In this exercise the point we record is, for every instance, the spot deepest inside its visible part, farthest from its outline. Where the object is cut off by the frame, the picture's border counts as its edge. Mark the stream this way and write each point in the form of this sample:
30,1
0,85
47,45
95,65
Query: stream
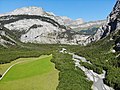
97,79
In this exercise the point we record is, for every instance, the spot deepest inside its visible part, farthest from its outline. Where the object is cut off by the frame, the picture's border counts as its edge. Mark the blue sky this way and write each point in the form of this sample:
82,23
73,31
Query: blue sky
89,10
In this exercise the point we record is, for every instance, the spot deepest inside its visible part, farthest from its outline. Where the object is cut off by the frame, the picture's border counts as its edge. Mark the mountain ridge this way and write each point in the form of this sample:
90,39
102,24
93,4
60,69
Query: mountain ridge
111,26
33,24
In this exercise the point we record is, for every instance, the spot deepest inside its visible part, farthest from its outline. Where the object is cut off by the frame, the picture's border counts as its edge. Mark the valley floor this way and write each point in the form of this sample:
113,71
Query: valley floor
32,73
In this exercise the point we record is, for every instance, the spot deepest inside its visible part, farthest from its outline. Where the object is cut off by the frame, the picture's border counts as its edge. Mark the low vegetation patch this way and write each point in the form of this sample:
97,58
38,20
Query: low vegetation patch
34,74
69,77
100,55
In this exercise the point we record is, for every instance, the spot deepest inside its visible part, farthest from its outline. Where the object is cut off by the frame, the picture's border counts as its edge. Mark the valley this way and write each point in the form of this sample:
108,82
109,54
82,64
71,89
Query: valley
42,51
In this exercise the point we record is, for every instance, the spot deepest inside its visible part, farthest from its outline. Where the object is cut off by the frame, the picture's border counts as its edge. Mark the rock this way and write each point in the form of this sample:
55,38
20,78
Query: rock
33,24
76,22
86,25
28,10
112,24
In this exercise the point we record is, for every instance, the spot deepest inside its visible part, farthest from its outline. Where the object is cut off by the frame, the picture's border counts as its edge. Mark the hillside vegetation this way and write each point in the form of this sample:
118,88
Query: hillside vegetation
101,55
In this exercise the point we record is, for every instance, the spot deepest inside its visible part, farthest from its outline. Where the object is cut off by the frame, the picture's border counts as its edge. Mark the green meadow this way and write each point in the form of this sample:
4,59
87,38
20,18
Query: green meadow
30,74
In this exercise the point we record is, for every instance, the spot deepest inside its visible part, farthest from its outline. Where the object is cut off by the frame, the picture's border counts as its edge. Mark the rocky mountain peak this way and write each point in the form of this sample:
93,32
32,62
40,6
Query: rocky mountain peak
112,24
113,18
33,24
116,8
80,20
114,15
28,10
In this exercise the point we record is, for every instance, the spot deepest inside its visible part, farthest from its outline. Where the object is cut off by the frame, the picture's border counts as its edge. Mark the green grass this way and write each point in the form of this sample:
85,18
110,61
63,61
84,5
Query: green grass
39,74
4,67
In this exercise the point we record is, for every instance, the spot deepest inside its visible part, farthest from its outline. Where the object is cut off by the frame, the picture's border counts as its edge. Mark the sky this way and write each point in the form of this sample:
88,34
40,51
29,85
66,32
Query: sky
88,10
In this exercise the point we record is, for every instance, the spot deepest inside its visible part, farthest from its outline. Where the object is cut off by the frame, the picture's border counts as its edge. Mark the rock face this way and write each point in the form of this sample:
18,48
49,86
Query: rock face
33,24
76,22
112,25
40,12
87,25
27,10
88,28
6,37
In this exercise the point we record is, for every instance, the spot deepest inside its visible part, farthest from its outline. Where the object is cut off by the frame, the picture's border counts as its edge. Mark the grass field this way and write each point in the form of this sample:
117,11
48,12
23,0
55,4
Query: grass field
33,74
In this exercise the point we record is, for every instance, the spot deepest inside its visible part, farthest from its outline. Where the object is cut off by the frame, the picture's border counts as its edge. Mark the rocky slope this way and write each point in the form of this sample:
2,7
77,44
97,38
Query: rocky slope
6,37
88,28
63,20
33,24
112,26
86,25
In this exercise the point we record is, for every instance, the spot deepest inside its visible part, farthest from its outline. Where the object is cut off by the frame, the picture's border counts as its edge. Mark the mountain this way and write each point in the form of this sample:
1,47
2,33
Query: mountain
82,27
112,27
33,24
86,25
27,11
75,22
88,28
103,50
40,12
